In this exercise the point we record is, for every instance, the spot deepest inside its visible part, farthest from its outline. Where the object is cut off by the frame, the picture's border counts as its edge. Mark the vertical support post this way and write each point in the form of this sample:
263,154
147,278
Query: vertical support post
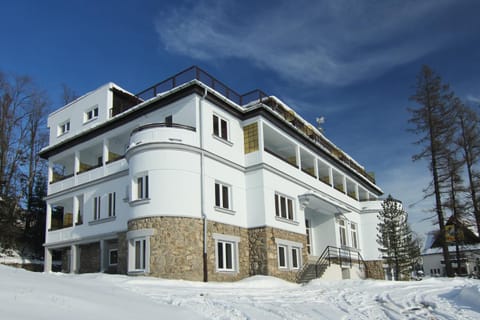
47,264
102,255
73,258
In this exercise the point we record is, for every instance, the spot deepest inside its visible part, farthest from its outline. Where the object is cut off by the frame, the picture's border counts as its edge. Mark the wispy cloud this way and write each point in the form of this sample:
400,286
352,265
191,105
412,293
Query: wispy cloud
473,99
315,42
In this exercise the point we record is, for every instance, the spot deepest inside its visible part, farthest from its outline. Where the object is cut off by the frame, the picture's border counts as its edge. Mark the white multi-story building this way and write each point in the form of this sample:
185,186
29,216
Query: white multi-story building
191,180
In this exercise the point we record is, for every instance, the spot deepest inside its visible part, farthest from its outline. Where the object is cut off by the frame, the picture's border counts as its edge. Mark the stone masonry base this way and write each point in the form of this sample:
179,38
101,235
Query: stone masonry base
176,249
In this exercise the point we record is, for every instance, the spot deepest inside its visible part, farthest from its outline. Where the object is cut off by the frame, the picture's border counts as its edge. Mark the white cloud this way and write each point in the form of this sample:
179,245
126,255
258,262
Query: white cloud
331,42
474,99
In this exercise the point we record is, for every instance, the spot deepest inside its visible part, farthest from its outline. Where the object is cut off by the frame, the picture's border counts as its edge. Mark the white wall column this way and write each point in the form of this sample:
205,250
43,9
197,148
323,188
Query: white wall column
261,142
299,158
74,258
76,166
48,222
105,151
102,256
47,260
75,211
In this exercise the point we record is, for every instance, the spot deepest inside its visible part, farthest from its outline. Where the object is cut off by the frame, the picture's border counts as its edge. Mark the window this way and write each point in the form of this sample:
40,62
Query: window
96,208
111,204
139,250
282,256
113,257
289,255
283,207
91,114
140,246
343,232
225,256
354,235
295,258
64,128
220,127
222,196
141,185
169,121
226,252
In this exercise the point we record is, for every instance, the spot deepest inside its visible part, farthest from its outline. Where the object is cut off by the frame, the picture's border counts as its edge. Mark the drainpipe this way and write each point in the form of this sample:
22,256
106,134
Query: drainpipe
202,177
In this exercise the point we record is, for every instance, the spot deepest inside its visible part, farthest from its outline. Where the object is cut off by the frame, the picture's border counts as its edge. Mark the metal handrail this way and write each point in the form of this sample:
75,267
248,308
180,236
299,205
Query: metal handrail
162,125
333,254
196,73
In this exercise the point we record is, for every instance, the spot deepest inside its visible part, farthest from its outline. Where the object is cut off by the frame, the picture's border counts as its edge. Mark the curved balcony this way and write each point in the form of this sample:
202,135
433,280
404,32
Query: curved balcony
162,132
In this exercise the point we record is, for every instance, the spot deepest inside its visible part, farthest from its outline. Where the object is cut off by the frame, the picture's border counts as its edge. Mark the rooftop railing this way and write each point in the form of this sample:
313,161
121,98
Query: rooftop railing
195,72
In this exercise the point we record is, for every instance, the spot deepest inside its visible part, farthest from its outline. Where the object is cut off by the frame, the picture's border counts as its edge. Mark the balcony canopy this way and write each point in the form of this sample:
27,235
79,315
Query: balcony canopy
321,204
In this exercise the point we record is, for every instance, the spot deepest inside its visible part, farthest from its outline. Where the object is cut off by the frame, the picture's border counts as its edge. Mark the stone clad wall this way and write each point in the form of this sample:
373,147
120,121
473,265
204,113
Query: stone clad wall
122,266
375,269
263,241
176,249
89,257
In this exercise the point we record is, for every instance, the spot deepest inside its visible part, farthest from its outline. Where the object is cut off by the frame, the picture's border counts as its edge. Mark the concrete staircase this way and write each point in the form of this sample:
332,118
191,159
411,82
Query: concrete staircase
311,271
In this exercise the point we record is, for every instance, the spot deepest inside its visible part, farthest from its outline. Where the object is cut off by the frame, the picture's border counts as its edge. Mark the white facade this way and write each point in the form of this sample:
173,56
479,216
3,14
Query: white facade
183,153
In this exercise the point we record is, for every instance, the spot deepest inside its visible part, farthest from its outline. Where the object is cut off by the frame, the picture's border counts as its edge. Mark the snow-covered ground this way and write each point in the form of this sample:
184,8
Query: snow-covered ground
27,295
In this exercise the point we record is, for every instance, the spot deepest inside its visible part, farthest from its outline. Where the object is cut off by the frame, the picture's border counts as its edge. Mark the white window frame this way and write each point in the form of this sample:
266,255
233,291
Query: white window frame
284,249
295,254
225,240
291,249
342,232
141,236
97,205
111,204
141,187
220,201
218,128
110,263
286,211
63,128
91,114
354,235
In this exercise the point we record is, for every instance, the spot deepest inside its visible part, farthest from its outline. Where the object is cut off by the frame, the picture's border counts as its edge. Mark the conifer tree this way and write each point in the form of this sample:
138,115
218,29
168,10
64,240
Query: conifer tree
468,141
394,237
433,120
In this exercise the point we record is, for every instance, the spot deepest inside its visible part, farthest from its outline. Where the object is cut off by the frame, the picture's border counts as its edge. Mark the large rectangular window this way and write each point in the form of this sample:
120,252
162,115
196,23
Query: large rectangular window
96,208
140,246
343,232
282,256
223,196
141,185
226,253
289,255
111,204
220,127
225,261
354,235
295,258
284,207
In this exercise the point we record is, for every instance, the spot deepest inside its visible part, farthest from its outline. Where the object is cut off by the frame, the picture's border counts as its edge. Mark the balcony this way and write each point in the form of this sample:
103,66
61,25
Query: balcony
162,132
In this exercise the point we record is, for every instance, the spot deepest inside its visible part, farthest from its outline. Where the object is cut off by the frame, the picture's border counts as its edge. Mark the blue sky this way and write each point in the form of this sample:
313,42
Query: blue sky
353,62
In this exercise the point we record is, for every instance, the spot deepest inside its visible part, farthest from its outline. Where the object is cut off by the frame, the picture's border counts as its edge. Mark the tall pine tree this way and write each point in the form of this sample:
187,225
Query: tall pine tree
433,121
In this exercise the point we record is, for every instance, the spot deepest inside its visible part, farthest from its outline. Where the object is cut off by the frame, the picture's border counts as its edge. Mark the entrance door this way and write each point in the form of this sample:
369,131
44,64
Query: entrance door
309,240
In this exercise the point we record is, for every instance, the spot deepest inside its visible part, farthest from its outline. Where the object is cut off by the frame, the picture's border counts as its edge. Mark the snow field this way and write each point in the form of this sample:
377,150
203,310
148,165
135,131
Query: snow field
27,295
